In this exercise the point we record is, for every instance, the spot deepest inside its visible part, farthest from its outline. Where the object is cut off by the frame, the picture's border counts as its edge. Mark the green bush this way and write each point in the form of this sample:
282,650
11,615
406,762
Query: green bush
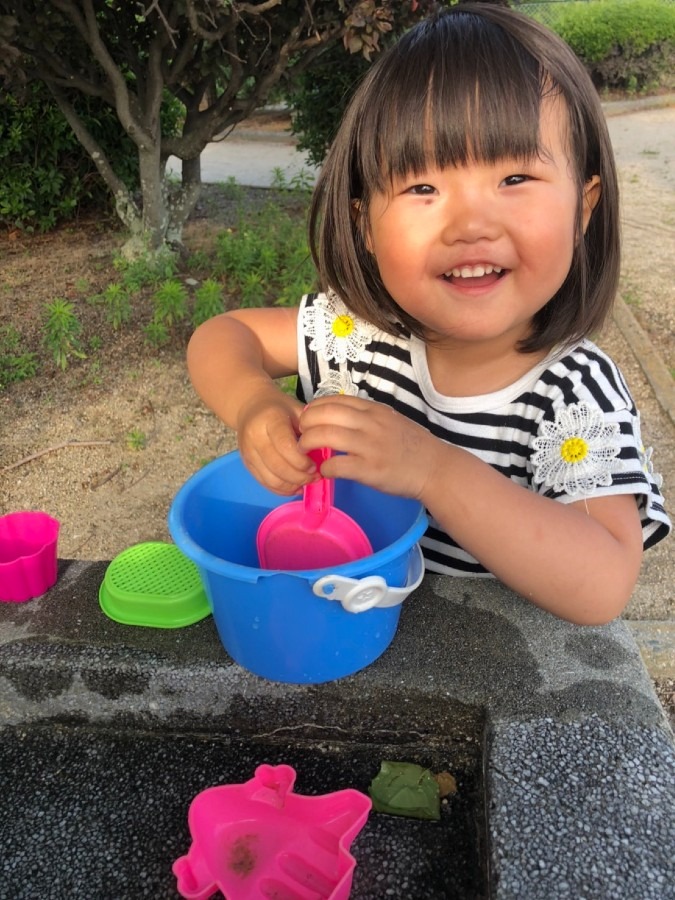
46,176
208,302
319,97
624,44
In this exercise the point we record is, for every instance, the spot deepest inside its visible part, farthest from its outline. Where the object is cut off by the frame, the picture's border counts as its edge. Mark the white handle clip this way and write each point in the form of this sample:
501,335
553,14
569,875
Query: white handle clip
360,594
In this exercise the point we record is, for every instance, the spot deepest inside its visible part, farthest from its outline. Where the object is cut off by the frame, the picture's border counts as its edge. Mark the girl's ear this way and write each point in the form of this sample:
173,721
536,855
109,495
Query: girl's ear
592,192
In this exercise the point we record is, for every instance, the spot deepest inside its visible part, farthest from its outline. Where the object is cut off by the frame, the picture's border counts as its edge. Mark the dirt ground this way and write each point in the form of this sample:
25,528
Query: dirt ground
66,439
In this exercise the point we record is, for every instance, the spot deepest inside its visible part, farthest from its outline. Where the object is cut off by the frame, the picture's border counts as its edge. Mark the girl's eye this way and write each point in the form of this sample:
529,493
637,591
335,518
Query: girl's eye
512,180
421,190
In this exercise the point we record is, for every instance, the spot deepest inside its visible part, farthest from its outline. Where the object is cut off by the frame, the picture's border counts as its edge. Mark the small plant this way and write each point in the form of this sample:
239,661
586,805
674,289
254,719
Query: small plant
279,181
268,262
145,271
198,261
93,373
208,302
117,304
62,330
170,303
156,334
16,363
300,183
631,297
238,251
136,439
252,290
232,190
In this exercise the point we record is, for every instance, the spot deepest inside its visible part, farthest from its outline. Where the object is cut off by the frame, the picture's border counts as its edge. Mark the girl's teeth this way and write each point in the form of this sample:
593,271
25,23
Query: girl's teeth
473,271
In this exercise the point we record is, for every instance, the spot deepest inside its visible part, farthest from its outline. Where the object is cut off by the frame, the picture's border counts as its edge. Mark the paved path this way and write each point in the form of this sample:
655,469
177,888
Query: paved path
250,158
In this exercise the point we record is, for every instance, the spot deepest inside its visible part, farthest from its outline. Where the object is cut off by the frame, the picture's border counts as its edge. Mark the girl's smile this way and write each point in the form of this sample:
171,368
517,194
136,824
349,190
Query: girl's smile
474,276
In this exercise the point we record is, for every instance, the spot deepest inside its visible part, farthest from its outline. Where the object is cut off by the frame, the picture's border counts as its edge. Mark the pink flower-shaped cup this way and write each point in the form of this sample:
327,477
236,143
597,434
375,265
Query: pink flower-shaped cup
28,560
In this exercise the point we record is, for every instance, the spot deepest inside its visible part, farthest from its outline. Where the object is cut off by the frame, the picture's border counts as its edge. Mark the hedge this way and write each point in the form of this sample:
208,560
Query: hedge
624,44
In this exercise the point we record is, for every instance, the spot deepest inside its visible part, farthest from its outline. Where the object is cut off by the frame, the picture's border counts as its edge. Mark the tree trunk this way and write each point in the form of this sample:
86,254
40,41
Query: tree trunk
181,200
158,227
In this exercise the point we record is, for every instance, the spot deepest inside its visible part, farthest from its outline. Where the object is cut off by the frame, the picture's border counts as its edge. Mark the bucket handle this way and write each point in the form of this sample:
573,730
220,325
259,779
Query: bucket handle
360,594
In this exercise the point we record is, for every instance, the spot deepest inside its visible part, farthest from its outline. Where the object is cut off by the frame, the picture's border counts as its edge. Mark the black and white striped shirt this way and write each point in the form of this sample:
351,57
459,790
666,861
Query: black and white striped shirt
500,428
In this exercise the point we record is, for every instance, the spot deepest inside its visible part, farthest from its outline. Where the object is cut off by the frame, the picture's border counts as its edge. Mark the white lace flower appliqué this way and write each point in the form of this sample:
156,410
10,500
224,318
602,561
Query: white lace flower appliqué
337,383
645,455
576,453
337,334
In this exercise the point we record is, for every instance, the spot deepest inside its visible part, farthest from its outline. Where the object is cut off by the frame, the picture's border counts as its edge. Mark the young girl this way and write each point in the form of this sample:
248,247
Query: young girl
465,228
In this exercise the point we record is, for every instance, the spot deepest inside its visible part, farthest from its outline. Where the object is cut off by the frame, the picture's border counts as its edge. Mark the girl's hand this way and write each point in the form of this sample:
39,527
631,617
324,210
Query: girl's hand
267,428
381,448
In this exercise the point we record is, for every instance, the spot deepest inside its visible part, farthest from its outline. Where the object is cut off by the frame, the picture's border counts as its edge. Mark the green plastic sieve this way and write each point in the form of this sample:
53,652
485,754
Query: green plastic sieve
153,584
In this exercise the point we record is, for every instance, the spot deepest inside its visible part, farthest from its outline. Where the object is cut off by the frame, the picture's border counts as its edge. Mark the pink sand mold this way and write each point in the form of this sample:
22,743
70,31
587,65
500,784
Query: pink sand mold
28,561
261,841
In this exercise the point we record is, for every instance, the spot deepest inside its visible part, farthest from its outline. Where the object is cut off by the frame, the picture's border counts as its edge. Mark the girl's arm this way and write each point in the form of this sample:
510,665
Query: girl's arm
579,561
233,360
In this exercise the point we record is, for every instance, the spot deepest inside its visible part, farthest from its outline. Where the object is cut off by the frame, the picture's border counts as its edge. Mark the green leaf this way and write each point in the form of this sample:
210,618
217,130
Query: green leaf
405,789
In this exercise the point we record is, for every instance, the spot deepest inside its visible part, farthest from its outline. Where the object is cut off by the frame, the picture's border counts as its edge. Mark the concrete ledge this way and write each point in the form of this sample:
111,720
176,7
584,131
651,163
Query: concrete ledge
577,757
624,107
656,640
581,809
652,365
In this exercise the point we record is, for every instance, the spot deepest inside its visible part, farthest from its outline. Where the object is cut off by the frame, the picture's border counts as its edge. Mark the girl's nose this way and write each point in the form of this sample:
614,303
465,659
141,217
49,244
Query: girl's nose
471,215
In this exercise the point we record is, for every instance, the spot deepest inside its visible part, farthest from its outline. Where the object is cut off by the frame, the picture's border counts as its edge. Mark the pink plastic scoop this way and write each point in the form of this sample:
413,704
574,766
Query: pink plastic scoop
311,533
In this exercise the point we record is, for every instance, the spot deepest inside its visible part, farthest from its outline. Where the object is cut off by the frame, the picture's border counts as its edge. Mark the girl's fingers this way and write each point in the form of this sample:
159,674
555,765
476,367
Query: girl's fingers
376,445
275,474
344,423
275,459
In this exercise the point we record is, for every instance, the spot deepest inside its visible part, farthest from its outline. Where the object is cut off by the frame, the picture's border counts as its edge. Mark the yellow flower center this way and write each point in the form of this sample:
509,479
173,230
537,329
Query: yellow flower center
574,450
343,326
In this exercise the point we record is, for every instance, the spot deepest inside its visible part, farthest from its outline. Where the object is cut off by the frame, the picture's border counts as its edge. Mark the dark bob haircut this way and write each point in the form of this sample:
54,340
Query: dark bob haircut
479,73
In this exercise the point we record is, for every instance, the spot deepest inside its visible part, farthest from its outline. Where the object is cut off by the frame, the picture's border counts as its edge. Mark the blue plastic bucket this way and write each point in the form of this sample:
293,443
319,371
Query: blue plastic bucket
274,623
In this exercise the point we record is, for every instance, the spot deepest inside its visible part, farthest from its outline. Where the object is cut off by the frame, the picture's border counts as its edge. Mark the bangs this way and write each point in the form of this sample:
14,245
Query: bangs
481,96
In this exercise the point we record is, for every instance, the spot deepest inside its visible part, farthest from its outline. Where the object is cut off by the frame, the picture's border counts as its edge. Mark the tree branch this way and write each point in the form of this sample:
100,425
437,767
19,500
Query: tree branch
126,206
89,31
155,7
210,36
33,456
256,9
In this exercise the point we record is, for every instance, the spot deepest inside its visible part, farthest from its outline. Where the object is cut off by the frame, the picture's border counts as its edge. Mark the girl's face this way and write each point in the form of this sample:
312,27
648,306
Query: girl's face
473,252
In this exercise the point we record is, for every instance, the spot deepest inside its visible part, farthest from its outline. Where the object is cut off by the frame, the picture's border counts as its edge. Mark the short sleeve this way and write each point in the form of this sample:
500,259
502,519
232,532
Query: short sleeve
331,339
584,451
